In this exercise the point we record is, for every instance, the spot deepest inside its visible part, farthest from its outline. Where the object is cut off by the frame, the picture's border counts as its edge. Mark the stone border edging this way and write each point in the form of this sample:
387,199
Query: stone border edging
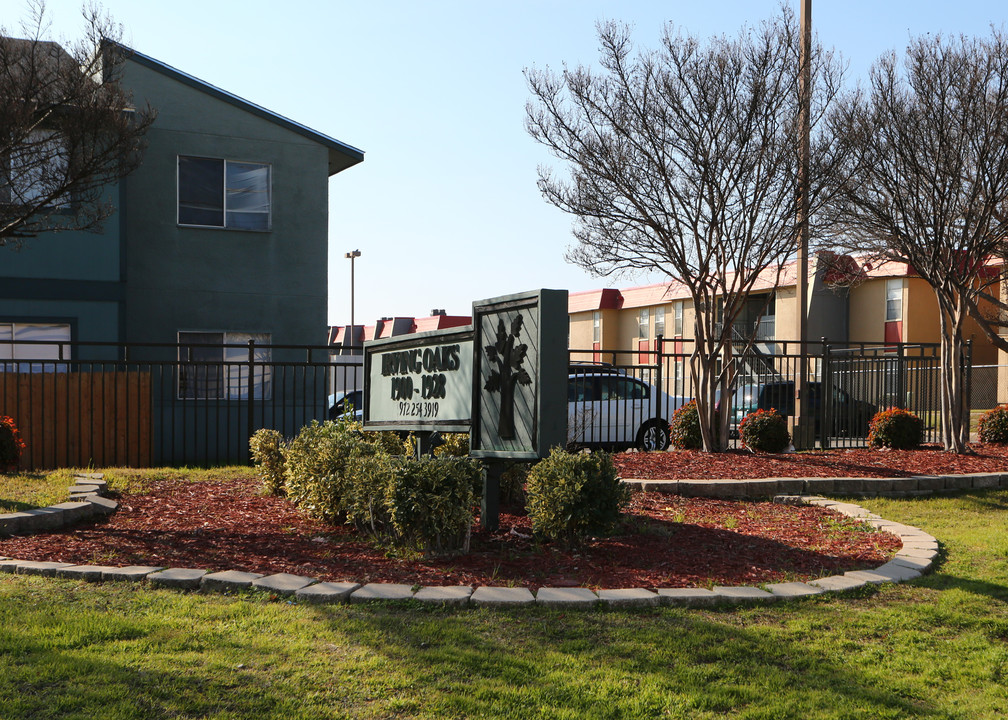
916,557
855,487
87,499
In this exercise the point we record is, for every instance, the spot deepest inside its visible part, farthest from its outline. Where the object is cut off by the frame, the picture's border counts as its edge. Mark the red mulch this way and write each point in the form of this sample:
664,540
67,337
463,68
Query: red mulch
861,462
664,541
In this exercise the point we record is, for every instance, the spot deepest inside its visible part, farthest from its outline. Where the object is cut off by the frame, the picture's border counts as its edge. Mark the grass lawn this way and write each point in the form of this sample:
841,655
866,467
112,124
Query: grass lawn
933,648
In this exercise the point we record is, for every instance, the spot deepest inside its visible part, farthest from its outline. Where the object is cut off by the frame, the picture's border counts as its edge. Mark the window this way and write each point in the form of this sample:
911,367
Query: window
659,320
643,324
677,326
214,366
894,300
223,193
34,341
35,169
596,327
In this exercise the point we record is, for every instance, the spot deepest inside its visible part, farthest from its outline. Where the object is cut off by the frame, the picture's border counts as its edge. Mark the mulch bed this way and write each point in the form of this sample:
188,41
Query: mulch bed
664,541
860,462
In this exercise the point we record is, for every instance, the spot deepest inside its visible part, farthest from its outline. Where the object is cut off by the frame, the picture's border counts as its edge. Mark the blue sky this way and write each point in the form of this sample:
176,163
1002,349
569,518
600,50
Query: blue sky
444,208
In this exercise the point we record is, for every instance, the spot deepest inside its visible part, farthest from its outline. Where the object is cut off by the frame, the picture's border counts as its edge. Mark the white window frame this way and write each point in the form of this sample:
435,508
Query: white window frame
224,175
230,376
596,327
45,158
659,321
894,300
677,323
644,324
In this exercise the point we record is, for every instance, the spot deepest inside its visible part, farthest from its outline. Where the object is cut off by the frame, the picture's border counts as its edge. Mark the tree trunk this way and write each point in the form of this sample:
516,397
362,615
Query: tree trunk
954,403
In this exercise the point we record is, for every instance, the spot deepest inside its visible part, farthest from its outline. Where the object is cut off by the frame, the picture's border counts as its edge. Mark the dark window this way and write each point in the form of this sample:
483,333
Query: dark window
223,193
581,388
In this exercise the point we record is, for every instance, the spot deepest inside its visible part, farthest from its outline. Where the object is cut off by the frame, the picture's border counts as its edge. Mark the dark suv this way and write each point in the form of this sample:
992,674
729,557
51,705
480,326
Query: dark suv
850,416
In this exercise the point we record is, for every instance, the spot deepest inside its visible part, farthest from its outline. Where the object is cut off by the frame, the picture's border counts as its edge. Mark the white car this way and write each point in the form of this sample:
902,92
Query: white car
606,407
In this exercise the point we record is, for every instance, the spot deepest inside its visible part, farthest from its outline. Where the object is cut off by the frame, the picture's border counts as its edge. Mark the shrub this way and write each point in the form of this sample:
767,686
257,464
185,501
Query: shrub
764,431
265,447
895,428
453,445
573,495
11,444
684,429
993,425
430,502
316,465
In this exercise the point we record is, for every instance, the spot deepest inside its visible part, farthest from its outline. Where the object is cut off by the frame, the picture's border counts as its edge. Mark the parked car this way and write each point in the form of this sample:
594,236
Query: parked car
345,403
744,401
850,416
607,408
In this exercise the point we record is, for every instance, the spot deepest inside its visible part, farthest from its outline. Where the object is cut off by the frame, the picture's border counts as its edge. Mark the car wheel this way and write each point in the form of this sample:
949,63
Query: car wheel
653,435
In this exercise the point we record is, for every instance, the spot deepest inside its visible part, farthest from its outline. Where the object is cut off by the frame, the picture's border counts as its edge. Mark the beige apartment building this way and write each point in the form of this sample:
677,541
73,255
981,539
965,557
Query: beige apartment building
888,304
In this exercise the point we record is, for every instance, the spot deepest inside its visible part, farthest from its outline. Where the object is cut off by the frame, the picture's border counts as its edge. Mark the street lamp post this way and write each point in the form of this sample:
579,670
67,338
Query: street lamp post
351,256
802,423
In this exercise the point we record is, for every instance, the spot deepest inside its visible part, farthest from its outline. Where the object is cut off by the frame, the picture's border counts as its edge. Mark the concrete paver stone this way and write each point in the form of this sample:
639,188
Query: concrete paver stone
919,564
628,597
48,569
326,592
687,596
382,591
794,589
183,578
838,583
282,583
131,573
869,576
502,596
566,597
742,594
444,595
228,580
91,573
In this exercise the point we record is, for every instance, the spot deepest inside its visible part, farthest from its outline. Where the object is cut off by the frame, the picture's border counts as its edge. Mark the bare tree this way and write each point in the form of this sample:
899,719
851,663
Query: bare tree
925,182
684,160
67,127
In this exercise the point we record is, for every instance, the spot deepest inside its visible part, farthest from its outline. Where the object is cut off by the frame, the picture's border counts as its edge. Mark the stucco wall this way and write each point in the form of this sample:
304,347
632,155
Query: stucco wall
183,278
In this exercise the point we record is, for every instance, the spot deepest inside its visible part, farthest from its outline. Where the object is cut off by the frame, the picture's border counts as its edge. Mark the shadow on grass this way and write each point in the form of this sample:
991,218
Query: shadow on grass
599,664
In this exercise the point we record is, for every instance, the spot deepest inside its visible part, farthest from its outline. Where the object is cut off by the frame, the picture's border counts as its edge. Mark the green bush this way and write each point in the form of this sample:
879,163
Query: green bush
11,444
764,431
430,502
574,495
316,465
993,425
684,429
895,428
453,445
266,448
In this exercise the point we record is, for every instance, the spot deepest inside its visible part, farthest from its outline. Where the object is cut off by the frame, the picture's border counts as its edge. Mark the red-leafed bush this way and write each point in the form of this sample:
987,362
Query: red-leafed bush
684,429
764,431
11,444
895,428
993,426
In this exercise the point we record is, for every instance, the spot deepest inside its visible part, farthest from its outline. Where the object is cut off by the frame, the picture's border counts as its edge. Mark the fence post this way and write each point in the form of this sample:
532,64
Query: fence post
969,378
900,369
825,398
659,346
250,395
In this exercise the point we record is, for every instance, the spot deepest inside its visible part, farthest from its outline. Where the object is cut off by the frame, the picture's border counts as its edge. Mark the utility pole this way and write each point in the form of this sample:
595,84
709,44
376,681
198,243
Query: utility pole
801,434
351,256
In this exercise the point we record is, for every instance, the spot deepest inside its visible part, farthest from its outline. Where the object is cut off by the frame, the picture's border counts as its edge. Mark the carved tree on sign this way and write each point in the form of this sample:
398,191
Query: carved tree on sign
508,355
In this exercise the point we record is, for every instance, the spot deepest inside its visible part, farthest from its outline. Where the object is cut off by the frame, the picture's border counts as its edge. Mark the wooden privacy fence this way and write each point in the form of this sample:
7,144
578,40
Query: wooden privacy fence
80,419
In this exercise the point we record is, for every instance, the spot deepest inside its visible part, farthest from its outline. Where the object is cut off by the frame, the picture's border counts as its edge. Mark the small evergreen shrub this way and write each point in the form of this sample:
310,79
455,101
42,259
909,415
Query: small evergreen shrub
684,429
265,447
453,445
316,465
11,444
764,431
574,495
430,502
993,425
895,428
512,484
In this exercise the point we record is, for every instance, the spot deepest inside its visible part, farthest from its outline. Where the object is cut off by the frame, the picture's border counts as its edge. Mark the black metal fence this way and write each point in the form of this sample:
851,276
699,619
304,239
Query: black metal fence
616,395
104,404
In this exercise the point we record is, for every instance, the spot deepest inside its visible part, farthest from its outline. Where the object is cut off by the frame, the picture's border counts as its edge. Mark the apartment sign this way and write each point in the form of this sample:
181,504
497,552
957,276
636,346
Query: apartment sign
419,382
